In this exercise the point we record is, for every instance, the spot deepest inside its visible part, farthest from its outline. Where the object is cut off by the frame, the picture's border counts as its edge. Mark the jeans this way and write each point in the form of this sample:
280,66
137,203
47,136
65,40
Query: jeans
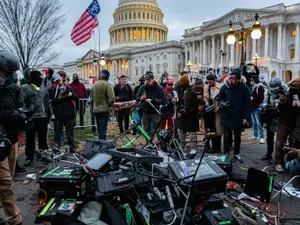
256,124
123,115
102,123
228,140
40,127
69,125
80,108
151,122
294,166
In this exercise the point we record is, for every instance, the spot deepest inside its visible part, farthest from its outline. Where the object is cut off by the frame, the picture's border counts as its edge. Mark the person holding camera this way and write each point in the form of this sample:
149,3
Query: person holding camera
212,121
234,101
187,112
36,100
62,98
151,94
11,120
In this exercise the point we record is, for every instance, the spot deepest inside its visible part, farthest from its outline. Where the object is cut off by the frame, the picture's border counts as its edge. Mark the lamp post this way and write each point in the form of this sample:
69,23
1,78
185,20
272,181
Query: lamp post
255,34
102,62
189,64
256,58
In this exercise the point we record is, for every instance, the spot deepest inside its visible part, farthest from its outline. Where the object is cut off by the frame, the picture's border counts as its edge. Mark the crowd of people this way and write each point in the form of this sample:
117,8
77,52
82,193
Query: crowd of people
224,107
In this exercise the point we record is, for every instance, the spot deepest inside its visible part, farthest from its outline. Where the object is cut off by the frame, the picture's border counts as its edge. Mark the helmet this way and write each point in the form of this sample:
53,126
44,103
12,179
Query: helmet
275,82
8,61
170,81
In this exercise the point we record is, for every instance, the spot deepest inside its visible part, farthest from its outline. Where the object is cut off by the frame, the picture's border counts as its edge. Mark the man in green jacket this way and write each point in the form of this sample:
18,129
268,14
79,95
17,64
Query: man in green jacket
103,97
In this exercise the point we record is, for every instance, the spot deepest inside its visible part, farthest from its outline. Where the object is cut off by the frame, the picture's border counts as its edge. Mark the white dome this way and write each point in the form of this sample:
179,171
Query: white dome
121,2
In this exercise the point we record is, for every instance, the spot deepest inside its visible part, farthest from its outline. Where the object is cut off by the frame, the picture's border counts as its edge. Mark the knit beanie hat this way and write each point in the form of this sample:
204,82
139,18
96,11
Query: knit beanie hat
236,73
295,83
184,80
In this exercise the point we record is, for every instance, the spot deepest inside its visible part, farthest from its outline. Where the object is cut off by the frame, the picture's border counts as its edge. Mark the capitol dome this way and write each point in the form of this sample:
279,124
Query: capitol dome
137,23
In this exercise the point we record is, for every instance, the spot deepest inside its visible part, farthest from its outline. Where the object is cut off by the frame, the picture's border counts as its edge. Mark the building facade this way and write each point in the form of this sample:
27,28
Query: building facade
138,43
278,48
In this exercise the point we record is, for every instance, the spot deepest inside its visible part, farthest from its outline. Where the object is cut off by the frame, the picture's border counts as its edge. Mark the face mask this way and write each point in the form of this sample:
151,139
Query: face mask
76,80
147,82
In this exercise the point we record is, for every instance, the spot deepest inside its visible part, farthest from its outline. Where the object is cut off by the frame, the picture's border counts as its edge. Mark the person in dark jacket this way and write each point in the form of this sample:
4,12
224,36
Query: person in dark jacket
137,88
10,126
80,90
287,122
163,79
187,112
47,80
234,101
36,99
62,97
258,95
151,92
123,93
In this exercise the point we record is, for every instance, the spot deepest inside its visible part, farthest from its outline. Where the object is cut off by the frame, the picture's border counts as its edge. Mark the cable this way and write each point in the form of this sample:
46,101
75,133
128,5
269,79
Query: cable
175,218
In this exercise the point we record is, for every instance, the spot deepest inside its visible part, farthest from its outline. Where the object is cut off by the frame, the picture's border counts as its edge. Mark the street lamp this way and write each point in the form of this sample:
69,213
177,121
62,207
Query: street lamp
102,61
256,32
189,64
256,58
231,38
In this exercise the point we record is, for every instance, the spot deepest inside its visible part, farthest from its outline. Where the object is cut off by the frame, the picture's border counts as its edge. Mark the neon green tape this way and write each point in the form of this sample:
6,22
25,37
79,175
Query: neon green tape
243,168
223,158
47,206
271,184
129,143
51,171
225,222
144,133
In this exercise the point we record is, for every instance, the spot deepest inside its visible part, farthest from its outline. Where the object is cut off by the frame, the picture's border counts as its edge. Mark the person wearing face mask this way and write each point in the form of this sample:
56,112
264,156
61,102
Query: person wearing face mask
123,93
37,101
80,90
61,98
151,92
10,126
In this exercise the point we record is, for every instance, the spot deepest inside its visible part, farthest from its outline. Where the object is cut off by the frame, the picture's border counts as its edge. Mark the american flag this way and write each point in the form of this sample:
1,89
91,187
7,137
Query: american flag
82,30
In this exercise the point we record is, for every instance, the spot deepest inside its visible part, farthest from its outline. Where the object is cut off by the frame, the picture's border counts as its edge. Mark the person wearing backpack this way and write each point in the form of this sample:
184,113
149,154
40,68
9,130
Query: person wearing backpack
234,101
257,98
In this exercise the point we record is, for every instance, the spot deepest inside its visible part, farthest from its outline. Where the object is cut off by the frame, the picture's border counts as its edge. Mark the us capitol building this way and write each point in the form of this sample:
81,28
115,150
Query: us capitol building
139,43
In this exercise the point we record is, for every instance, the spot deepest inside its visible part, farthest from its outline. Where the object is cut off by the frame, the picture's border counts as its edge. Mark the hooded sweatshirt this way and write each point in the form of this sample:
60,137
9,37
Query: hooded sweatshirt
258,95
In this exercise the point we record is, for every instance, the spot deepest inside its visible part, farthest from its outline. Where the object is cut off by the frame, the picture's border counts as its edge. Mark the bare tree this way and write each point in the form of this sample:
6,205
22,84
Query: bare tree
30,29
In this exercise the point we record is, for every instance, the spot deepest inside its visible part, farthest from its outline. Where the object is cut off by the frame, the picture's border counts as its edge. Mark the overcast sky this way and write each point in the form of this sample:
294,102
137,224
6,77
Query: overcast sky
179,15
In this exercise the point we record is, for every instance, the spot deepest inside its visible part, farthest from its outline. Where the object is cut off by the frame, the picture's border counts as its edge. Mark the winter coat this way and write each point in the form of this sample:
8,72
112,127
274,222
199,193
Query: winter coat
215,103
239,98
63,108
258,95
125,94
287,112
79,89
155,93
46,84
136,91
35,100
188,122
103,96
10,102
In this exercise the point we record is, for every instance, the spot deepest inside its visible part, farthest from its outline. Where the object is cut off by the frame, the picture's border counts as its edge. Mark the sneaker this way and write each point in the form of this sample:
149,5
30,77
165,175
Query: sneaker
238,158
28,163
279,168
262,141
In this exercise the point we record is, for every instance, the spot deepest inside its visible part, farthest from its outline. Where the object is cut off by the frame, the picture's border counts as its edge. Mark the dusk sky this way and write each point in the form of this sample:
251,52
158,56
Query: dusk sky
179,15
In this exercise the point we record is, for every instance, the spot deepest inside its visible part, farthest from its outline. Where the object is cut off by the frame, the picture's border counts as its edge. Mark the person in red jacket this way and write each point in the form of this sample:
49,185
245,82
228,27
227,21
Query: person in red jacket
81,91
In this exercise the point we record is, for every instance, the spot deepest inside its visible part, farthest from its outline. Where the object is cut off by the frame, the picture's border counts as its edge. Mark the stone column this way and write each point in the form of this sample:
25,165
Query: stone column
297,43
279,39
137,34
222,49
157,35
204,52
237,53
284,46
231,63
266,41
208,51
271,43
248,55
193,53
200,52
213,52
217,52
121,35
253,48
131,32
146,33
123,67
126,34
152,34
186,53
